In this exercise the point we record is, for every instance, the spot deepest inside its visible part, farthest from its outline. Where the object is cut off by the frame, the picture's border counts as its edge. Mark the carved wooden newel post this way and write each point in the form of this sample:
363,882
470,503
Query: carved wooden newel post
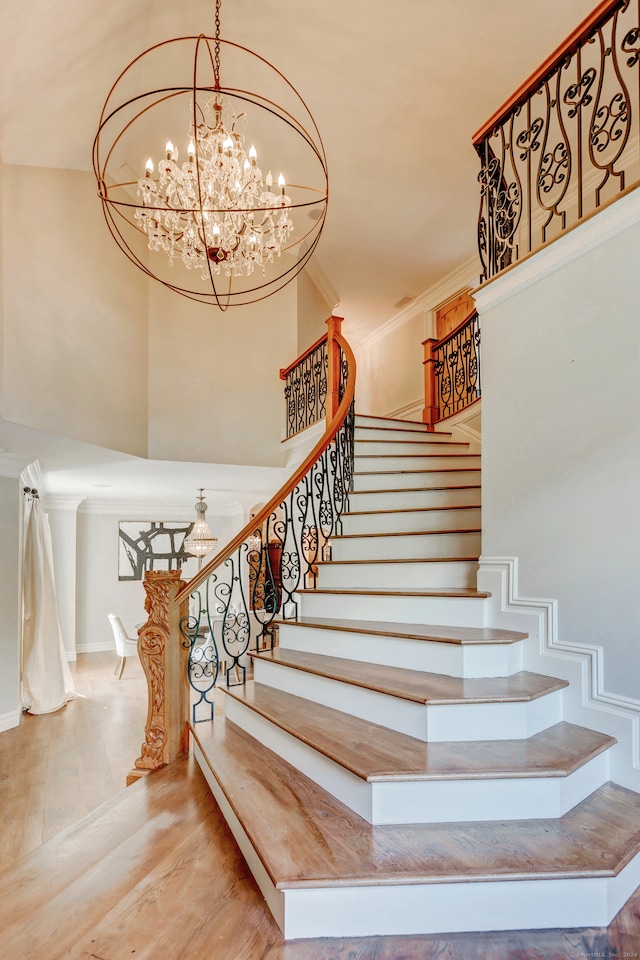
165,661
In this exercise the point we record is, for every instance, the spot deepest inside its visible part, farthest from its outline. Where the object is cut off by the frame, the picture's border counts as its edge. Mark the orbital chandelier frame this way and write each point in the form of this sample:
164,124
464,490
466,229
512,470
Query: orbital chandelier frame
228,224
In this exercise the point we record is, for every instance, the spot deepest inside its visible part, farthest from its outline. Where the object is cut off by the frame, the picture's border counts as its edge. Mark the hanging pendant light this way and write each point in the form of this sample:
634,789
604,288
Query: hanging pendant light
214,228
200,541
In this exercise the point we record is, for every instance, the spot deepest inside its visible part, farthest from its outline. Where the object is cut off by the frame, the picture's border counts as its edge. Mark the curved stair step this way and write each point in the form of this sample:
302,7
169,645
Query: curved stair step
304,846
388,777
452,650
425,705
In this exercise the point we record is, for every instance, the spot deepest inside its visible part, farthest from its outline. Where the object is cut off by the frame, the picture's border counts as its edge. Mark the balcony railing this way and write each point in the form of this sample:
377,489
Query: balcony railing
305,389
452,371
567,141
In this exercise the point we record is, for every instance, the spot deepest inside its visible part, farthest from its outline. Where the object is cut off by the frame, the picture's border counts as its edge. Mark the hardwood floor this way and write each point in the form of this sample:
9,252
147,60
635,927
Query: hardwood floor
155,873
56,767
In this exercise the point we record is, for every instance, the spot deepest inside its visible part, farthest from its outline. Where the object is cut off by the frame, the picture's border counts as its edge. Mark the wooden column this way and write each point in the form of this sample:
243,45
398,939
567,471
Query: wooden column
334,326
431,411
165,661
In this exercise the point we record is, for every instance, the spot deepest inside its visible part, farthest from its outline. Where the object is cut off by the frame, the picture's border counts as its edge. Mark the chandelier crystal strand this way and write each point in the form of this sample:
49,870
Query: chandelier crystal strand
216,206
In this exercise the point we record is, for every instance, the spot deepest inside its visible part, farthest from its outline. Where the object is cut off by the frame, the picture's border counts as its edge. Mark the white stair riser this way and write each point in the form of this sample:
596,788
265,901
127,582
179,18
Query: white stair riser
432,722
399,433
413,520
464,612
451,801
386,423
451,659
438,908
432,461
436,574
400,448
408,546
422,479
414,499
425,801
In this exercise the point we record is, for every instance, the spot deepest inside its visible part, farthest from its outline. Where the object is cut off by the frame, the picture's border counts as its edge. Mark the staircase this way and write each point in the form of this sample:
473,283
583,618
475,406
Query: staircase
392,768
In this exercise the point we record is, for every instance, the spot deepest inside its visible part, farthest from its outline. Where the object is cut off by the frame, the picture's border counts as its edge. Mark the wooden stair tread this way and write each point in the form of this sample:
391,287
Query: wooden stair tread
417,686
411,631
374,513
377,473
413,456
405,533
304,837
467,486
452,592
375,753
325,563
417,426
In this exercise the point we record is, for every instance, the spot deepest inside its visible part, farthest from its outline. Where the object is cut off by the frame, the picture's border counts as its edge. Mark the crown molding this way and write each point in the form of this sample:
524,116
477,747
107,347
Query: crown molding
145,510
63,501
464,276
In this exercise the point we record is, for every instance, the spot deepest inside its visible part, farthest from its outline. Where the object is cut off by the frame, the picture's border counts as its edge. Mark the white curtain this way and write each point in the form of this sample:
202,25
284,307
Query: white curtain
47,680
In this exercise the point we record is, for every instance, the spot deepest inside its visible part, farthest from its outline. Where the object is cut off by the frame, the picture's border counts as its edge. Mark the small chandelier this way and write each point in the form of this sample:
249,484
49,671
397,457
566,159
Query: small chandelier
227,234
200,541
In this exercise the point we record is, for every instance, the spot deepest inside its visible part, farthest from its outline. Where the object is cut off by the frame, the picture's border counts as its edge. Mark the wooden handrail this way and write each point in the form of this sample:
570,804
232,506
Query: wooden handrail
567,47
285,371
256,522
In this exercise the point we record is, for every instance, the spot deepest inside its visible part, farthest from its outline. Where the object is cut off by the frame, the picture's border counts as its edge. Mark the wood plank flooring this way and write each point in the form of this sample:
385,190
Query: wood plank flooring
56,767
189,896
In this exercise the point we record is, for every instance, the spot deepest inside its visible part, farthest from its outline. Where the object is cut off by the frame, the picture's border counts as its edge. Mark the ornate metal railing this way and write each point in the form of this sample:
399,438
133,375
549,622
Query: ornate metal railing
567,142
305,390
452,371
235,600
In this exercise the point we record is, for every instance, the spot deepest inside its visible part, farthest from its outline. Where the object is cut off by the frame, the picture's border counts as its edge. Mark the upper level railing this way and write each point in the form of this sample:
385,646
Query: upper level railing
452,371
305,390
566,142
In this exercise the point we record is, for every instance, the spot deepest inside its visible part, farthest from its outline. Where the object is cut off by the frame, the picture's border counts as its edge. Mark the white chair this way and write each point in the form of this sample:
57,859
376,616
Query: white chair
125,646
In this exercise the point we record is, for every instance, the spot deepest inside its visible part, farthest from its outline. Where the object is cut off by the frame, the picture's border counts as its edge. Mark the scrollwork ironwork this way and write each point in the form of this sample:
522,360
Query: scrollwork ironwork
566,147
234,611
457,368
306,391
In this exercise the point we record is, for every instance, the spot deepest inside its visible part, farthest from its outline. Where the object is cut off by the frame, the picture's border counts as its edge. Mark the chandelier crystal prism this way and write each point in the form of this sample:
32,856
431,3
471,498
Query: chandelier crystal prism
202,217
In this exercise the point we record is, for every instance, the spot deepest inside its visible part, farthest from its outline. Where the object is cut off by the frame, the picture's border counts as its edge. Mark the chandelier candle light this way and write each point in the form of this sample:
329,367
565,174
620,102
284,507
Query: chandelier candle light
215,214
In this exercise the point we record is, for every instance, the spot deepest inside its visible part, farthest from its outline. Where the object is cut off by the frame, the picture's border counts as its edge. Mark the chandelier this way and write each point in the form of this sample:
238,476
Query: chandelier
200,541
214,226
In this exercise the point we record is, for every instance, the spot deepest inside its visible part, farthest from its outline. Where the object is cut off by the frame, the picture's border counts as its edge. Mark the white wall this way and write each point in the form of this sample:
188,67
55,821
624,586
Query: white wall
62,513
99,592
313,311
10,505
215,393
561,436
390,377
75,314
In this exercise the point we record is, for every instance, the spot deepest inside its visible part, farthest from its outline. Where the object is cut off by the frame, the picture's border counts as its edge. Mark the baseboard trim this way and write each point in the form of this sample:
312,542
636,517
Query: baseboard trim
586,701
10,720
95,647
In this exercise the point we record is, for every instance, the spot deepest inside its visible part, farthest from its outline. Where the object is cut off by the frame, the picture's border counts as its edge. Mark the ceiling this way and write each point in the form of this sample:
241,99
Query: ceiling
396,90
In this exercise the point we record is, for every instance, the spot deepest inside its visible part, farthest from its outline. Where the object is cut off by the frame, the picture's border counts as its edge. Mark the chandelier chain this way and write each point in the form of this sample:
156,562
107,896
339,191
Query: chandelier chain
216,65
